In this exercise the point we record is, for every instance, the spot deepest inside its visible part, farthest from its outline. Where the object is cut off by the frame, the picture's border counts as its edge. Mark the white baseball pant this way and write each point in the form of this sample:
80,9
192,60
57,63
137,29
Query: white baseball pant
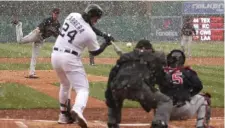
33,37
186,42
71,73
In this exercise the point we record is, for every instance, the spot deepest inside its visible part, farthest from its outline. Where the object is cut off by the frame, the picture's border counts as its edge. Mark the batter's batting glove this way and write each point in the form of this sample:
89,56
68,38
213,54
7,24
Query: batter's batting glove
108,37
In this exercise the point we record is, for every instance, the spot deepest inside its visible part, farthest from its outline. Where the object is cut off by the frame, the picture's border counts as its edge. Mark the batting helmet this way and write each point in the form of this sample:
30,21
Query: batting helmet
94,10
176,58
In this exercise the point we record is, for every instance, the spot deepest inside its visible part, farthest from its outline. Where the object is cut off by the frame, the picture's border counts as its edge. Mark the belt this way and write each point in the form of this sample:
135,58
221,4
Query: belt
66,50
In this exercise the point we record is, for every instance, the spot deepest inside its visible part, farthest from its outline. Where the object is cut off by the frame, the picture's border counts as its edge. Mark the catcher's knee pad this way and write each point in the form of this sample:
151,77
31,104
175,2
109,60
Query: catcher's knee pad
159,124
113,125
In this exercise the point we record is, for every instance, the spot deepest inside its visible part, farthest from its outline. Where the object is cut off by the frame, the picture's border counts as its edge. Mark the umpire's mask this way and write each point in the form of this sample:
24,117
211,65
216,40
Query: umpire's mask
144,45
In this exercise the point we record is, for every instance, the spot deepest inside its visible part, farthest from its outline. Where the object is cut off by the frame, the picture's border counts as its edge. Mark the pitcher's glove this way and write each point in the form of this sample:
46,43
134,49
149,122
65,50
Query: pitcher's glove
54,31
14,22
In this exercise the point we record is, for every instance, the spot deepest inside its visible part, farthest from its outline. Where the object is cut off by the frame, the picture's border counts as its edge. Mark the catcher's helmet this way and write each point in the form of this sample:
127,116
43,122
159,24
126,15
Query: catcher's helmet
176,58
94,10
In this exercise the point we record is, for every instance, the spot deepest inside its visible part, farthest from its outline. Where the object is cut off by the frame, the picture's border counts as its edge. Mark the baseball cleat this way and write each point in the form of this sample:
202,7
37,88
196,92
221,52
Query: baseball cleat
32,77
80,119
64,119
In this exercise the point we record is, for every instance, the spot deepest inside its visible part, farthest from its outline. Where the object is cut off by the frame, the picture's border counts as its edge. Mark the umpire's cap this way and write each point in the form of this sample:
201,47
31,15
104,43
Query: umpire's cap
94,10
56,10
144,44
176,58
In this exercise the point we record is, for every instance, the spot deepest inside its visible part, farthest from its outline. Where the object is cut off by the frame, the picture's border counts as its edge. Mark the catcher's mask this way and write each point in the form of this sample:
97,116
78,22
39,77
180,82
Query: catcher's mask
176,58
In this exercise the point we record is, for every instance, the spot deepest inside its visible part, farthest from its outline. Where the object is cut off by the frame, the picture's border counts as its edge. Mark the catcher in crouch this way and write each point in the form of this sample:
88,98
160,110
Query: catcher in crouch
134,77
183,86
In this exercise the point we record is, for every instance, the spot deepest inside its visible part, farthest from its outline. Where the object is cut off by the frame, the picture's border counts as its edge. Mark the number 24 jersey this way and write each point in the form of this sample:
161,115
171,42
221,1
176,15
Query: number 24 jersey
76,34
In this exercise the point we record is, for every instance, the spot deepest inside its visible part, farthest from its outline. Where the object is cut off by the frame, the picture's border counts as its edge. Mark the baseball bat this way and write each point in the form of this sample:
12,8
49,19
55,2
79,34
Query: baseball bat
117,49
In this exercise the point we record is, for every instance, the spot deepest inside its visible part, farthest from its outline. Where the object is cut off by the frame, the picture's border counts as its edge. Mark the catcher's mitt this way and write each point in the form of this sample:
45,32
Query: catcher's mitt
206,94
207,97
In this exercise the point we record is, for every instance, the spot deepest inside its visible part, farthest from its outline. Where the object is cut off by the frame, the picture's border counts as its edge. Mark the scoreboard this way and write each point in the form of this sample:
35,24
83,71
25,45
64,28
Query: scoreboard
208,28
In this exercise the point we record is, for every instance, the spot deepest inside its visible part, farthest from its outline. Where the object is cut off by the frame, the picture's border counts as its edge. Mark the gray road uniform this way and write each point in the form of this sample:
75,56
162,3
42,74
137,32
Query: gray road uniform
187,31
133,78
183,87
48,27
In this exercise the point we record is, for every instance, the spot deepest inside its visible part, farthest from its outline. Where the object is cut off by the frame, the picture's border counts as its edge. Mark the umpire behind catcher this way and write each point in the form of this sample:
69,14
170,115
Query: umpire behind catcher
133,78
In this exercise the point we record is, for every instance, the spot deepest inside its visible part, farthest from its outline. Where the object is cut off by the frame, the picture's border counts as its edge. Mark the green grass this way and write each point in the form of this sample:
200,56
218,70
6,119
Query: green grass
15,50
198,49
15,96
213,80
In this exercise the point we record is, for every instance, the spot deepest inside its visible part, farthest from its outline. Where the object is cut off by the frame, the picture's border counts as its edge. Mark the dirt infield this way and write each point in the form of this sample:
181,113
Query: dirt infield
46,118
96,112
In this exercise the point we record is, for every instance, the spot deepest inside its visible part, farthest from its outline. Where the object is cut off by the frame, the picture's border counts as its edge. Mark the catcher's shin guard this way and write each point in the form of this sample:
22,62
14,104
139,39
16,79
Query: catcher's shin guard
204,111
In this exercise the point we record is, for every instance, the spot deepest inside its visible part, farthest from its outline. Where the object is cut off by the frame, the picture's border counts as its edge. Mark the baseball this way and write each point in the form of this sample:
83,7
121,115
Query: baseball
129,45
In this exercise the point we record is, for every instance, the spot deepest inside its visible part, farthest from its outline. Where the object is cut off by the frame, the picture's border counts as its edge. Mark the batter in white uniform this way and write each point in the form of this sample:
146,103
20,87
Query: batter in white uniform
75,36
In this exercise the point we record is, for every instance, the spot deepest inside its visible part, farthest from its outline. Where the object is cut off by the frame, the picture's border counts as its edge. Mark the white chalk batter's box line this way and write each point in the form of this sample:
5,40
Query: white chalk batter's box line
22,125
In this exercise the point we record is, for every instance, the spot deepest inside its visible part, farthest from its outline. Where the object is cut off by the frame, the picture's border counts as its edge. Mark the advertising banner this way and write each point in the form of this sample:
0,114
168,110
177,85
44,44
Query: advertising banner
203,7
165,28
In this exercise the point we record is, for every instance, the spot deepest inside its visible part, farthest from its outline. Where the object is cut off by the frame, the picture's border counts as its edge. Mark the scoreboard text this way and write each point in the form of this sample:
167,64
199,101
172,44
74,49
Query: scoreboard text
209,28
